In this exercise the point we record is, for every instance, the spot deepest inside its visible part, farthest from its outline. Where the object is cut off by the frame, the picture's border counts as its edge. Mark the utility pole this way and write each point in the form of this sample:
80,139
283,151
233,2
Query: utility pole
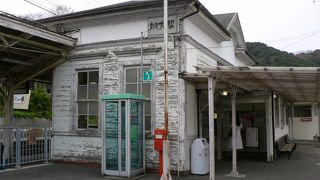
166,143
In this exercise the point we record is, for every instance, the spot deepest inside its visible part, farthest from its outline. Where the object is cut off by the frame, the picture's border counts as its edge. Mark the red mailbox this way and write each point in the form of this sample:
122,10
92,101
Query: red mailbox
159,136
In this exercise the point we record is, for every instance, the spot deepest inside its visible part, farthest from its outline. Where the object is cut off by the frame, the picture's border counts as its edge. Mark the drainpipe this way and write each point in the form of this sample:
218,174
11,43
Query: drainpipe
198,91
180,25
193,13
141,63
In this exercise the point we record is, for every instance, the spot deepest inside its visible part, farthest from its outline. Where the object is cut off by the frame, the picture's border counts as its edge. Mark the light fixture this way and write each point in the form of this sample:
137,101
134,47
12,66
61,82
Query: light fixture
224,93
215,115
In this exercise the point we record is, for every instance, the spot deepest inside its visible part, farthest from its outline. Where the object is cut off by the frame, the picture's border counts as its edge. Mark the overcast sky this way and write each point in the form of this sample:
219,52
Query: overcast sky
289,25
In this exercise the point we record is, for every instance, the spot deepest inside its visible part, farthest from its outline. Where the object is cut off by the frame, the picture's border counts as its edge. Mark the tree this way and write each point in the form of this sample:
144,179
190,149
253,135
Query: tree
269,56
62,9
40,102
58,10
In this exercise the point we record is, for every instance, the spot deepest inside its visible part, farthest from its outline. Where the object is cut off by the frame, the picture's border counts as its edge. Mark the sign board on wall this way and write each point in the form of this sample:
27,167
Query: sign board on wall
156,25
147,75
21,101
306,119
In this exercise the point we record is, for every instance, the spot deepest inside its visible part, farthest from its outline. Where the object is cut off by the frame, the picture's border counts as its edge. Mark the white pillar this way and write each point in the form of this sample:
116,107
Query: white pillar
318,115
234,172
219,130
211,88
234,148
269,128
219,134
166,161
290,119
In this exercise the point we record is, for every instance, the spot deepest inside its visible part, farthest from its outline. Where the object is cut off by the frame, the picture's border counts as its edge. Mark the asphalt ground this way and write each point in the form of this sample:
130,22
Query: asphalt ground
304,164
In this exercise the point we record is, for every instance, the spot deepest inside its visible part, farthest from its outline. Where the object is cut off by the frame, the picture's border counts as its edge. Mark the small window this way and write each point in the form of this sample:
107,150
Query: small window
302,111
87,99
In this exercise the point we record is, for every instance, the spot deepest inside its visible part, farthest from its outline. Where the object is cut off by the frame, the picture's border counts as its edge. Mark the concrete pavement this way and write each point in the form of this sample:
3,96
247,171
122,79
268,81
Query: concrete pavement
303,165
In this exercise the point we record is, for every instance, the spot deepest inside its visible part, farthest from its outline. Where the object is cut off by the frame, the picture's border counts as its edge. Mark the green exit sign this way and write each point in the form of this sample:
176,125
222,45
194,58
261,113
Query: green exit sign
147,75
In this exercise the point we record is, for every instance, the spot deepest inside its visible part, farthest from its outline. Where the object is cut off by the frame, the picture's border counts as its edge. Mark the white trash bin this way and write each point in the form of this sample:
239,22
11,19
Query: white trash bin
200,156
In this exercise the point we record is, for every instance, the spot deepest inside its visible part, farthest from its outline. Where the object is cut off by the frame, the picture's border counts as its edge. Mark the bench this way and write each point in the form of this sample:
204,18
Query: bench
285,146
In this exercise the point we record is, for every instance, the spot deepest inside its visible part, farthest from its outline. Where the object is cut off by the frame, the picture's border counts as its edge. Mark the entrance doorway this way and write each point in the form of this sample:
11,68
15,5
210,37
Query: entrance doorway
252,115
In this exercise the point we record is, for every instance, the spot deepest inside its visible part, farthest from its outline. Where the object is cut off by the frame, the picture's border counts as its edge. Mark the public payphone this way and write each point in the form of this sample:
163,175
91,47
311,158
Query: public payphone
123,135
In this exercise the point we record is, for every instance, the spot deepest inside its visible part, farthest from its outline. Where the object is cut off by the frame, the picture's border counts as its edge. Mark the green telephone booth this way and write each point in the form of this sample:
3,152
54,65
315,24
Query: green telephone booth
123,135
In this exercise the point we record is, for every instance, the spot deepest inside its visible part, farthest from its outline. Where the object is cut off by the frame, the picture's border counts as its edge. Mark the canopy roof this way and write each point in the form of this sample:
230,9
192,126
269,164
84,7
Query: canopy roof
27,48
298,84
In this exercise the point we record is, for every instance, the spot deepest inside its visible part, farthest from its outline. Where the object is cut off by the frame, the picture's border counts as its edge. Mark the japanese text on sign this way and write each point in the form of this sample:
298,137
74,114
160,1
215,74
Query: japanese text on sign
156,25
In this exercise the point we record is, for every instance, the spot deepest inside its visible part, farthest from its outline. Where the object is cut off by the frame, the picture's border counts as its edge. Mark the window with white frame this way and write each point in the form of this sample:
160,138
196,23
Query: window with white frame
133,77
87,99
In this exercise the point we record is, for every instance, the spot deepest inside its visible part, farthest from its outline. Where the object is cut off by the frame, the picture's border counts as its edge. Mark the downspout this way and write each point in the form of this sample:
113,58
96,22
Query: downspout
141,63
179,63
197,5
193,13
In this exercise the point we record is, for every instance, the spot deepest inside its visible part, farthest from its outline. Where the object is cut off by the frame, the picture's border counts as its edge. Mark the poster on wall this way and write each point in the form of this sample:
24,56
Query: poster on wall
246,120
21,101
252,138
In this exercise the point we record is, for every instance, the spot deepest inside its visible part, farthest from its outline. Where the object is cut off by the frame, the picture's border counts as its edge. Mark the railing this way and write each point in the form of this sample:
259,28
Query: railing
22,146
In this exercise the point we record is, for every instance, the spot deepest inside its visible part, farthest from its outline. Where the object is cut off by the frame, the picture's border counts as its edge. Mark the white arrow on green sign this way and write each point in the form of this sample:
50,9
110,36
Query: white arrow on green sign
147,75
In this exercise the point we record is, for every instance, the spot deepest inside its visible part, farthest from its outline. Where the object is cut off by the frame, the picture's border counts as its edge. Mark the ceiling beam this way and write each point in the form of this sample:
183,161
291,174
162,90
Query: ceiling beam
31,42
26,63
17,52
37,73
34,61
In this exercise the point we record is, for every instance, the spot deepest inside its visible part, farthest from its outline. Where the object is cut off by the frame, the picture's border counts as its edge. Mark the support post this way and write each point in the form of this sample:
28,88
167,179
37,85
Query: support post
166,144
211,88
46,144
7,91
269,129
18,148
219,132
234,172
289,120
166,161
1,156
8,104
318,114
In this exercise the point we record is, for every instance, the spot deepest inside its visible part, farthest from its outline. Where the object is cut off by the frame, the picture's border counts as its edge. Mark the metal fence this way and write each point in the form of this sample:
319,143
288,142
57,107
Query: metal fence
22,146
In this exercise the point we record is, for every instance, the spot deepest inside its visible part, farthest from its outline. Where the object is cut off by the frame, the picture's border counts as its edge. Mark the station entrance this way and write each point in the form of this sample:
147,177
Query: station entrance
250,112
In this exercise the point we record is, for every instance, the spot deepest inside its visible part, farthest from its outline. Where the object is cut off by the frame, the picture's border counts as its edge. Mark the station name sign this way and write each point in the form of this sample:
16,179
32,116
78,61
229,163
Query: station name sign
156,25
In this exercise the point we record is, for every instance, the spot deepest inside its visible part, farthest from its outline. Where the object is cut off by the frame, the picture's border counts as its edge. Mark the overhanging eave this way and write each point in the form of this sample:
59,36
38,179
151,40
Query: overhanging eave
19,25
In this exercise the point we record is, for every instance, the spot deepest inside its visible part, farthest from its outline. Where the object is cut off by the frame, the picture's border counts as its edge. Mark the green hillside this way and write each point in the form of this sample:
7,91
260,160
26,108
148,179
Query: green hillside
269,56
